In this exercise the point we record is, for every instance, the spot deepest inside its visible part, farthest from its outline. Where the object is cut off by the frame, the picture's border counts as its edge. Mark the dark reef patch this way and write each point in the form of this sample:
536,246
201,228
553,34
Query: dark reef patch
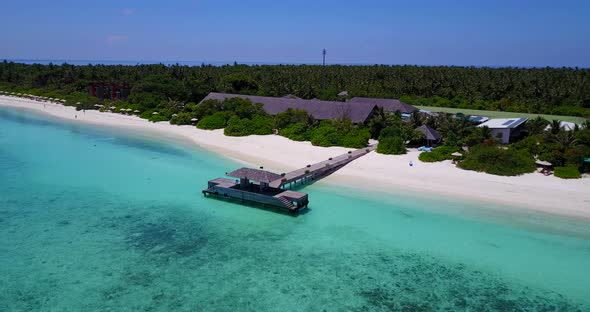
425,284
164,238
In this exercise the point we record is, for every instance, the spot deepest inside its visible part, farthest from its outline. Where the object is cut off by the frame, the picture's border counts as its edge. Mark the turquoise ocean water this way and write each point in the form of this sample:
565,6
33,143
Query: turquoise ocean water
97,219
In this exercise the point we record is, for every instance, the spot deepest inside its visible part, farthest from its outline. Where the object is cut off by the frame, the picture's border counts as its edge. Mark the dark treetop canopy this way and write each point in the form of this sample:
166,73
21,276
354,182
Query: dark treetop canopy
254,175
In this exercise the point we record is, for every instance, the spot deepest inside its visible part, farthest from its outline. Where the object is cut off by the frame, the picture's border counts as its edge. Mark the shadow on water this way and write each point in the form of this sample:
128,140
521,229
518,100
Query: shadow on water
147,145
251,205
96,134
21,118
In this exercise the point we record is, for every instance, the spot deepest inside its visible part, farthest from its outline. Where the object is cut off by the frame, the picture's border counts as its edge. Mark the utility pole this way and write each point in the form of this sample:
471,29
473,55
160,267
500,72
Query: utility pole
323,71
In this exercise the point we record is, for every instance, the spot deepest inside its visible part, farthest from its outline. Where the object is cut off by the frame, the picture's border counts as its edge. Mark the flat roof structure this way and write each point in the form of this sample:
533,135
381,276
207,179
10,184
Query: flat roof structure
504,123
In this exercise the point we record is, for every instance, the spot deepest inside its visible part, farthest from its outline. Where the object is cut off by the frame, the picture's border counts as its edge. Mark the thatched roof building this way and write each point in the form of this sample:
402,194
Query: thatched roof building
429,133
391,105
359,111
257,175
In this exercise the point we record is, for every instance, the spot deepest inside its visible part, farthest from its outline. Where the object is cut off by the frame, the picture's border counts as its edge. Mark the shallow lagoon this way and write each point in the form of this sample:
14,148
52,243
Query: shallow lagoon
99,219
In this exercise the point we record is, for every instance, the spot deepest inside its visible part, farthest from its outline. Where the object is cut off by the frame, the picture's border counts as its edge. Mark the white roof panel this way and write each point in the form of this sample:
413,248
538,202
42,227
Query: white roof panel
504,123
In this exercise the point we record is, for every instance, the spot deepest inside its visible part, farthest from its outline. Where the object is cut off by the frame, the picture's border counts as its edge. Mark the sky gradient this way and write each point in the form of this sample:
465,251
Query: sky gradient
423,32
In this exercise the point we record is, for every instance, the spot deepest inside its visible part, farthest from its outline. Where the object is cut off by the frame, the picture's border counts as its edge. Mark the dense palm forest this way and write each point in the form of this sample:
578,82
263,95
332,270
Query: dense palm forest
561,91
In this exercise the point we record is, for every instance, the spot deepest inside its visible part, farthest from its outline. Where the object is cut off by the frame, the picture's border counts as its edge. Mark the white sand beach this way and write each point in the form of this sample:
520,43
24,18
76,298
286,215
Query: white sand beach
374,171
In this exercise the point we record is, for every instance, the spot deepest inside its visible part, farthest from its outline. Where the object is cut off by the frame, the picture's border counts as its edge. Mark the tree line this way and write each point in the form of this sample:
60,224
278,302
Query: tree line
560,91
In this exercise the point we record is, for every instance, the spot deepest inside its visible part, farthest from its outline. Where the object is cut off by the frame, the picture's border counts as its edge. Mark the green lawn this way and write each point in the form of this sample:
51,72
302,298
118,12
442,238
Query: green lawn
496,114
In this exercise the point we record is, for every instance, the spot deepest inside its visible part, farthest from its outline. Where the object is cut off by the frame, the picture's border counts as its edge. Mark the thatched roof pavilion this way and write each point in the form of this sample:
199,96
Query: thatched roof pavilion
320,110
359,110
390,105
429,133
257,175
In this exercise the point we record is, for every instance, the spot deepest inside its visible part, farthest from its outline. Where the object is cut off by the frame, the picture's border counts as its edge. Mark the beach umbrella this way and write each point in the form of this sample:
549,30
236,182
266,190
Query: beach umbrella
63,101
129,109
174,115
194,119
136,111
113,107
456,154
155,113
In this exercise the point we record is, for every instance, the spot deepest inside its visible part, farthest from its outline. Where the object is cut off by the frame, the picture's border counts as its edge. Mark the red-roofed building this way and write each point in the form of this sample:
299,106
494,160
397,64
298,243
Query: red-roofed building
106,90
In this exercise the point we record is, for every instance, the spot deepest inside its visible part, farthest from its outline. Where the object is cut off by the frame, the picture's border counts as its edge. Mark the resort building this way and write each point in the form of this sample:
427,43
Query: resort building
253,187
359,110
430,134
390,105
505,128
111,91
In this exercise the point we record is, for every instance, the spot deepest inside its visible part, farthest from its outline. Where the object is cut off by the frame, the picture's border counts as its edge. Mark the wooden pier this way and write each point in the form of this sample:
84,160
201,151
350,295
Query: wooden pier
319,170
268,188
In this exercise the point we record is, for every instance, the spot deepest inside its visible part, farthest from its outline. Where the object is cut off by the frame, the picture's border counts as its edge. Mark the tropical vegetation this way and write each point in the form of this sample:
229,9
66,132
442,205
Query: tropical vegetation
560,91
540,140
170,93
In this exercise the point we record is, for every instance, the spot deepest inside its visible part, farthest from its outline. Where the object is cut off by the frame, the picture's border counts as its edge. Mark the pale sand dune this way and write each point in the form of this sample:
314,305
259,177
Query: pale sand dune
378,172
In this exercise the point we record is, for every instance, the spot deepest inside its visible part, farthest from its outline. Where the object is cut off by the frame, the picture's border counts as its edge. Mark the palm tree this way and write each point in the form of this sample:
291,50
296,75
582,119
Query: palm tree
380,120
565,139
417,120
555,127
537,125
485,132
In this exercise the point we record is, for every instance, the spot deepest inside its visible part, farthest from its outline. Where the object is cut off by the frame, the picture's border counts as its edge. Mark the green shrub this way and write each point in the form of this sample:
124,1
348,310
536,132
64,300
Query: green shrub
356,138
296,132
237,127
438,154
260,125
567,172
156,118
498,161
391,146
147,114
293,116
215,121
325,134
181,119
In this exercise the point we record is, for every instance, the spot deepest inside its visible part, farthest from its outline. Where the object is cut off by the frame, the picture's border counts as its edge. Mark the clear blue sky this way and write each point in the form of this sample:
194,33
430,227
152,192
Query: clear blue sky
425,32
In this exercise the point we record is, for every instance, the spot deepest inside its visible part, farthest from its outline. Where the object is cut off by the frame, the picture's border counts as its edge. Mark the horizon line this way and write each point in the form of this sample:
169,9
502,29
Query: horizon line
84,62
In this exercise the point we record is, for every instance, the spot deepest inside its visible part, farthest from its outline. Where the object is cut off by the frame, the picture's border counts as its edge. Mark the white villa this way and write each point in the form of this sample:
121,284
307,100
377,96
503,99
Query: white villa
504,128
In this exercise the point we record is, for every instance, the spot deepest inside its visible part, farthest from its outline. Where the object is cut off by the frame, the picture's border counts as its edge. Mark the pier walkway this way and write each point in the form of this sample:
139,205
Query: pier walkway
318,170
269,189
